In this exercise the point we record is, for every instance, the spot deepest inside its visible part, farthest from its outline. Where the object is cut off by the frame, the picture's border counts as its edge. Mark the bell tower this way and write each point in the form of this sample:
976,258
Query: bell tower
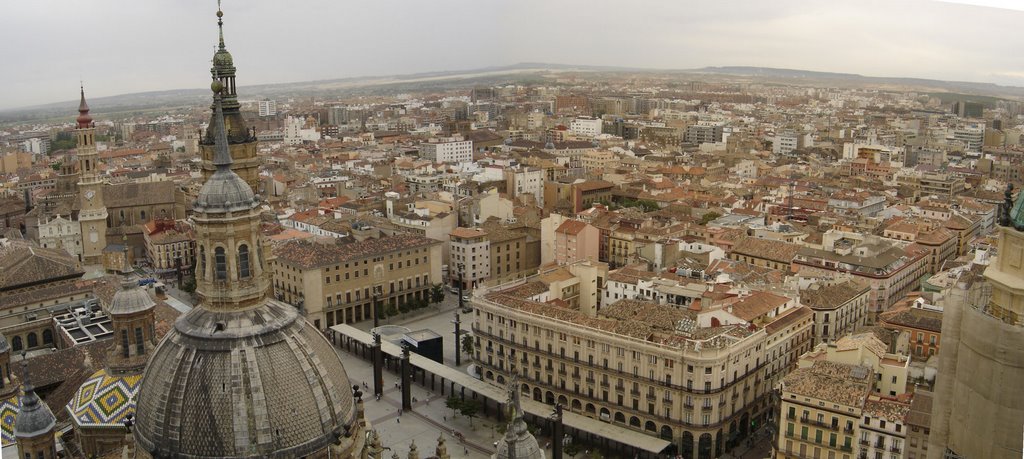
230,272
92,215
241,140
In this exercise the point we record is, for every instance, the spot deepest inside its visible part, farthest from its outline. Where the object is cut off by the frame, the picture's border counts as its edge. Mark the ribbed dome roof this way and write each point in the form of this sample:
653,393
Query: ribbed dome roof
222,58
130,299
260,382
225,191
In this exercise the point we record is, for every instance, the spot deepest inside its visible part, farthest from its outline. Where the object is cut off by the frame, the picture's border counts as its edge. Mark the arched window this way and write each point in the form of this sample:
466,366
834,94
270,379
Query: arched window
243,261
142,215
47,336
16,343
33,340
202,263
220,264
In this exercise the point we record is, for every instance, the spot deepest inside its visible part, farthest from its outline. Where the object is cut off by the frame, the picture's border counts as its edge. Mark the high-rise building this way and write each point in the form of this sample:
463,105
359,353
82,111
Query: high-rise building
241,374
268,107
93,213
978,407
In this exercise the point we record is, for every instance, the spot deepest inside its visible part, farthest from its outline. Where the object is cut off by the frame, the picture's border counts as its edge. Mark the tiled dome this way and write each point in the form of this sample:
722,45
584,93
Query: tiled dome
259,382
130,299
225,191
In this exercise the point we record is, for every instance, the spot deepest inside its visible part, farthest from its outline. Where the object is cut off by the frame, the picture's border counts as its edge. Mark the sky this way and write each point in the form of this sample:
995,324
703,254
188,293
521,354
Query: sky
128,46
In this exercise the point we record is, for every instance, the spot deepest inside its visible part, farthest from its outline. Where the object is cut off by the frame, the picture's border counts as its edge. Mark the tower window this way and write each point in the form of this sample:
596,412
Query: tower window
221,263
243,261
202,263
139,348
124,342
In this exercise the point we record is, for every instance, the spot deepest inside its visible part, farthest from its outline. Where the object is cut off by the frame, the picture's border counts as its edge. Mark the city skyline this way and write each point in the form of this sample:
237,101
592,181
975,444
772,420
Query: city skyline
944,41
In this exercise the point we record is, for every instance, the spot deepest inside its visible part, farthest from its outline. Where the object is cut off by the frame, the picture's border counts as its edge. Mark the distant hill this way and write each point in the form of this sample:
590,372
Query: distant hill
966,87
526,71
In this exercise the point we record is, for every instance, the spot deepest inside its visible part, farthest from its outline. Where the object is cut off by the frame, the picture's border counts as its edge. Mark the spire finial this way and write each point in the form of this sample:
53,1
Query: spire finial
84,120
221,155
220,24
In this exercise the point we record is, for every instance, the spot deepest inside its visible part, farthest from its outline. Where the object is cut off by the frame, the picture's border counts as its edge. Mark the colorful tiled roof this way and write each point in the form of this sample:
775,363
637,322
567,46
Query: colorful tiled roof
104,399
9,408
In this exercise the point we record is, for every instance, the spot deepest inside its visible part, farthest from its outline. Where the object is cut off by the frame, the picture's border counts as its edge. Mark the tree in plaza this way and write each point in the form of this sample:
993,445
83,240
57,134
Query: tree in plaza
437,293
469,409
467,344
454,403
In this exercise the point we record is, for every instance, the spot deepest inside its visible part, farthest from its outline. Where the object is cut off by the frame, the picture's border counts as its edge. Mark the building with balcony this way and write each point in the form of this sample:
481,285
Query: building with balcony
820,410
170,244
839,308
889,271
336,284
635,363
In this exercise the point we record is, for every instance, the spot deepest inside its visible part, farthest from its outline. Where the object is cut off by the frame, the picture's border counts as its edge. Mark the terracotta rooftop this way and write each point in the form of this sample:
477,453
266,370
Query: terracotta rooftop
835,382
831,296
309,255
778,251
23,263
467,233
571,227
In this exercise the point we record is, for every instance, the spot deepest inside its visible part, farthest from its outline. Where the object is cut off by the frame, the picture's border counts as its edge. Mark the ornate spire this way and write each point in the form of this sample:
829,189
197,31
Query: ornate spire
34,418
220,24
84,120
221,156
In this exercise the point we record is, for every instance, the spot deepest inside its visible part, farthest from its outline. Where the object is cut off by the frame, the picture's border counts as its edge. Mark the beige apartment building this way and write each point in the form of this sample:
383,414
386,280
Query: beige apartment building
636,364
336,284
821,408
575,241
889,271
839,308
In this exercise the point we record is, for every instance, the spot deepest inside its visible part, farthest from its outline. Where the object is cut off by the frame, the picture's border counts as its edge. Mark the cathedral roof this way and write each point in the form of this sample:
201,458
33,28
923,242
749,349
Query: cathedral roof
243,383
22,264
104,400
130,299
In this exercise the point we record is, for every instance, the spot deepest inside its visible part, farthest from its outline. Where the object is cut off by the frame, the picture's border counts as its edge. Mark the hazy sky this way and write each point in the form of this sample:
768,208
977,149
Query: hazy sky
127,46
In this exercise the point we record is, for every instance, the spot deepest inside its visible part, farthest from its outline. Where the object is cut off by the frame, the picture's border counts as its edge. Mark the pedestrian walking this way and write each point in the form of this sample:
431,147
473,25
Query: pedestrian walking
399,420
445,417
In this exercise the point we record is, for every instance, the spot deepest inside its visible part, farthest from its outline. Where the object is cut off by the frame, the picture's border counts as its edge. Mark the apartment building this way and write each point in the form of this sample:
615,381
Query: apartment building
447,150
634,363
821,408
919,325
336,284
575,241
470,257
764,253
839,308
586,127
170,244
890,272
843,402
